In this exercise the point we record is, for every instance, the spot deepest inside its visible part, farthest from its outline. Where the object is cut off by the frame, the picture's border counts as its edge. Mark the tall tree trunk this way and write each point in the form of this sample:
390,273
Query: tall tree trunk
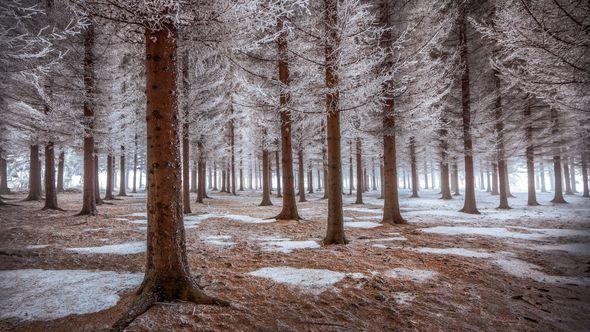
200,173
167,274
414,167
186,195
585,175
350,167
310,177
222,180
319,177
50,191
573,175
445,188
425,174
495,179
108,195
557,182
88,191
134,189
542,175
373,175
488,182
289,210
335,230
455,178
265,180
300,177
194,177
203,187
566,175
4,174
381,183
530,156
365,180
405,184
359,172
469,205
507,179
97,197
215,175
251,174
123,172
499,126
228,174
241,188
60,172
324,159
210,184
278,174
432,178
232,141
34,175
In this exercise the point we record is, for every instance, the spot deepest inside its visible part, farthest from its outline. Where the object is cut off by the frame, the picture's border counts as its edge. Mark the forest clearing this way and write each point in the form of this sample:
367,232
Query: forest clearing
294,165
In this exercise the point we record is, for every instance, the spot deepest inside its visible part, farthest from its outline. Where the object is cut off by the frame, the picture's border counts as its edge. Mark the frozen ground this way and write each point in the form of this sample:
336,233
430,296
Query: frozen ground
520,269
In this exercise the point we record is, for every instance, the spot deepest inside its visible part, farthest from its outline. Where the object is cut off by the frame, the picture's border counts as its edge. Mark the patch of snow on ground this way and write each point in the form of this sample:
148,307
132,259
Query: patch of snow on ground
51,294
536,233
363,210
582,249
137,214
454,251
403,298
387,239
314,281
37,246
218,240
522,269
288,246
246,219
126,248
416,275
361,224
139,221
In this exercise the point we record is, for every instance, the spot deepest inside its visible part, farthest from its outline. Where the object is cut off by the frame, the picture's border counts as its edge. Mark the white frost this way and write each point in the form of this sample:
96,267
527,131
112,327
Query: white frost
403,298
535,233
51,294
314,281
454,251
361,224
288,246
416,275
218,240
116,249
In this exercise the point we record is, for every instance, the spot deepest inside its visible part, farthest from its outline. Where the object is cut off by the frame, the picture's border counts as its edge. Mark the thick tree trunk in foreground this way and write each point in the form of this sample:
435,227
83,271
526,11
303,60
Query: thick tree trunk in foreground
388,170
530,157
123,173
324,160
469,205
335,230
300,176
359,172
60,172
34,175
585,175
289,210
414,167
167,274
109,187
186,195
265,179
50,191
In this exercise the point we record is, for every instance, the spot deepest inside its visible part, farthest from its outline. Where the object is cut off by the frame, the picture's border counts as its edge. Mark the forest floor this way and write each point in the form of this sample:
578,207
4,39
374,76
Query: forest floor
521,269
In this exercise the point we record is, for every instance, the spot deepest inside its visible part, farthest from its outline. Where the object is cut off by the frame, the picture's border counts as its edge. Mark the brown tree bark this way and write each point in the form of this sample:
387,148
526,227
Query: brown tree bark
194,177
373,175
495,179
241,188
359,172
455,178
499,126
335,229
60,172
566,175
186,195
414,168
469,205
134,189
167,273
97,197
585,175
222,180
215,176
557,179
278,174
122,173
289,210
351,172
232,138
388,170
300,177
445,188
34,175
251,174
3,174
310,178
381,181
265,179
324,159
109,187
200,173
50,190
530,157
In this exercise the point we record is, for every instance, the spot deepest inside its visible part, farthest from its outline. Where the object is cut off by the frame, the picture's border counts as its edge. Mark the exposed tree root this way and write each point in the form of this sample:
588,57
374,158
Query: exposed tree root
148,297
56,208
